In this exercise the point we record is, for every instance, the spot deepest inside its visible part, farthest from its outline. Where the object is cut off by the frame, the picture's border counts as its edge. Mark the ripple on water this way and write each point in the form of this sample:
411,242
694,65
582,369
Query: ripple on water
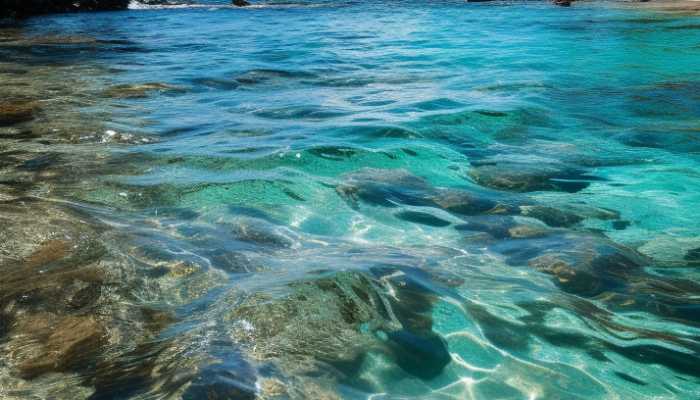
340,200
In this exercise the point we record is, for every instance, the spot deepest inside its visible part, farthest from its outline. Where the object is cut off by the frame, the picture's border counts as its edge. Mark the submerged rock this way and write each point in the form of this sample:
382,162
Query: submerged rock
582,264
693,256
240,3
140,91
319,319
529,177
16,112
563,3
263,233
63,296
335,321
390,188
469,203
228,376
385,188
504,227
415,348
422,218
676,140
551,216
51,343
423,355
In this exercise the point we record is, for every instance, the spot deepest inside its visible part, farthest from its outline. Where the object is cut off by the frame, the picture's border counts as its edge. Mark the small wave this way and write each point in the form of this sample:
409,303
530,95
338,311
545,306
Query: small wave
137,5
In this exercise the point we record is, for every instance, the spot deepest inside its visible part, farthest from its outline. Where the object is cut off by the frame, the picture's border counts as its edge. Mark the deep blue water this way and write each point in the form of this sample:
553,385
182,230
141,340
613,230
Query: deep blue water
388,200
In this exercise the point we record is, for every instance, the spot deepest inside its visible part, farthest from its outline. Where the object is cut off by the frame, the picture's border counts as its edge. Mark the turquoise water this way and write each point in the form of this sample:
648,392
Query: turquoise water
385,200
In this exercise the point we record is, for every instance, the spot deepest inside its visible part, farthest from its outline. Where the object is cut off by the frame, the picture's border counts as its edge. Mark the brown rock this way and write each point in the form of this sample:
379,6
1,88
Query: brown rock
51,250
49,343
15,112
271,388
140,91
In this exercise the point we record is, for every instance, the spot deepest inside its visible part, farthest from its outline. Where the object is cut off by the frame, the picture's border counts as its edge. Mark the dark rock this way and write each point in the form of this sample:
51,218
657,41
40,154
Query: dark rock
422,218
390,188
416,348
503,227
582,264
263,233
16,112
265,75
385,188
56,276
24,8
551,216
131,373
162,2
679,140
677,355
620,225
528,177
40,163
229,376
461,202
423,355
240,3
58,344
229,261
693,256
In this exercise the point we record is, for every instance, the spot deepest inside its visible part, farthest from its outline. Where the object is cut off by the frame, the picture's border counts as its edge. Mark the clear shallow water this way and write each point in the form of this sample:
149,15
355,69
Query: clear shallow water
347,200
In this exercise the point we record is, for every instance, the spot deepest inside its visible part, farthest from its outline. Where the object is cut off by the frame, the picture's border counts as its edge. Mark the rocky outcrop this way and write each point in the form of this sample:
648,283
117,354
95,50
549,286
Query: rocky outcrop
24,8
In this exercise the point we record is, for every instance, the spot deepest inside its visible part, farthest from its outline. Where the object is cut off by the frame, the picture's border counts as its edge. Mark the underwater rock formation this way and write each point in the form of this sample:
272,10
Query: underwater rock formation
527,177
580,263
682,357
693,256
140,91
14,112
390,188
336,320
63,296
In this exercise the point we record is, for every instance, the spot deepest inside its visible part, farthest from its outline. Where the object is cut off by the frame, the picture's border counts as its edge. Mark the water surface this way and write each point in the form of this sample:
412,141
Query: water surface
322,200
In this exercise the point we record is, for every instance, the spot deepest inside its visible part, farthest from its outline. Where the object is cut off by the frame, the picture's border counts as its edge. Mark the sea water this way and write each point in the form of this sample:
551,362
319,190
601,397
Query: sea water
363,200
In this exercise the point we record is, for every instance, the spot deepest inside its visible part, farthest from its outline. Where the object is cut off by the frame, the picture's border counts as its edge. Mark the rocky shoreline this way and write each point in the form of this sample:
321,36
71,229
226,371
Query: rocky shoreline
25,8
28,8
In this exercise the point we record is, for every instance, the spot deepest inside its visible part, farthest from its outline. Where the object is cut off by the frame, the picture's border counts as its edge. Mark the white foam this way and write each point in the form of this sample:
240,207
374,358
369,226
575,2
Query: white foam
137,5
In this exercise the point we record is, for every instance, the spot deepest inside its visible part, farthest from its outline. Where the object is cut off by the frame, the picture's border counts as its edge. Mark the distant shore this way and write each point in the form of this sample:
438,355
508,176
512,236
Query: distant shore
28,8
692,6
